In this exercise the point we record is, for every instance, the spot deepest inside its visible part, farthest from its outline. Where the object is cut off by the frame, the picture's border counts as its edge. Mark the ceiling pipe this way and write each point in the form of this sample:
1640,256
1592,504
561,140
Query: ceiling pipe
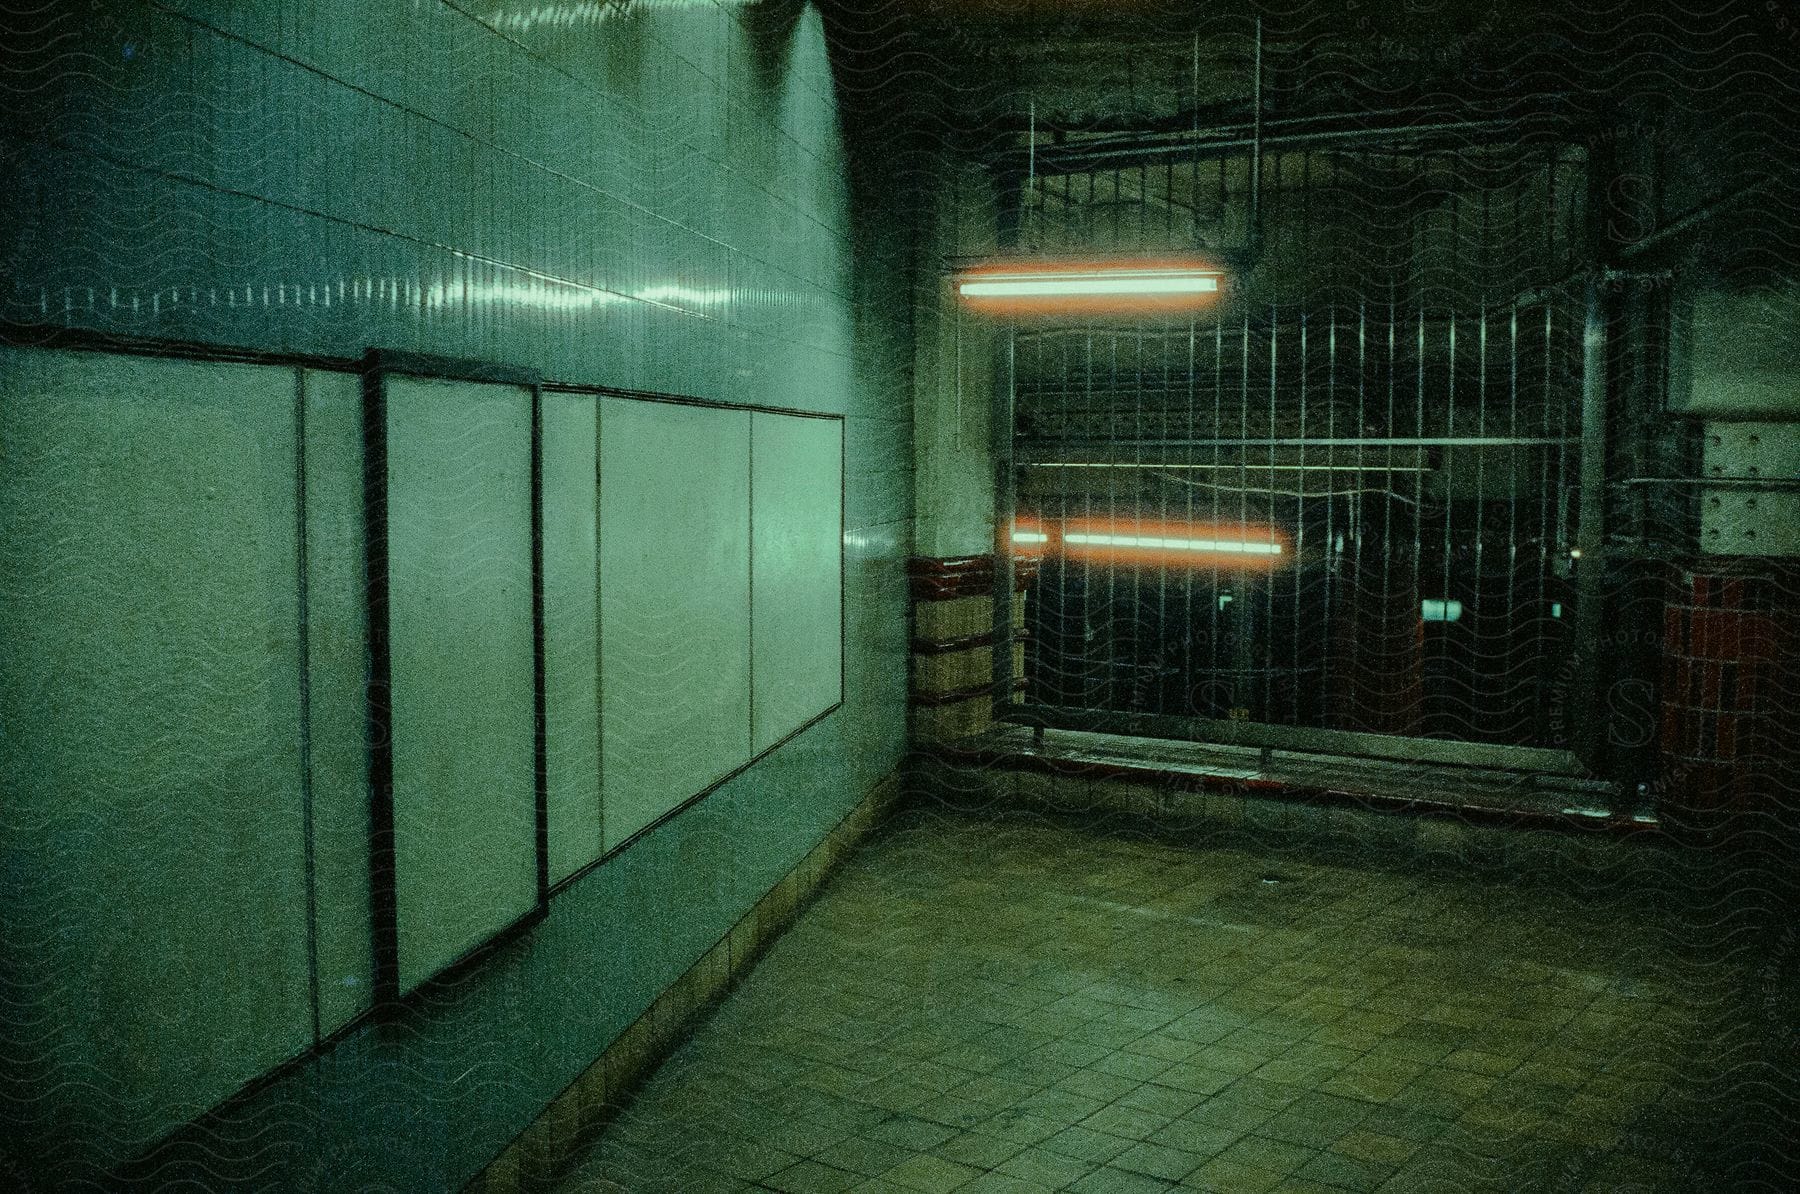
1697,216
1080,158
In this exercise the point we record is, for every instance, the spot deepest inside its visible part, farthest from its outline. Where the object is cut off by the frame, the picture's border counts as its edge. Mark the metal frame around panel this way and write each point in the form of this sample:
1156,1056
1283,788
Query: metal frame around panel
1012,450
599,392
25,335
1268,736
378,366
17,335
1584,718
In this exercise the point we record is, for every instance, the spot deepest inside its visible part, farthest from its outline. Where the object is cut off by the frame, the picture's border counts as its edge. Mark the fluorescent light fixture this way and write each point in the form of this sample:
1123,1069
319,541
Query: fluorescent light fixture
1095,282
1161,543
1434,609
1030,537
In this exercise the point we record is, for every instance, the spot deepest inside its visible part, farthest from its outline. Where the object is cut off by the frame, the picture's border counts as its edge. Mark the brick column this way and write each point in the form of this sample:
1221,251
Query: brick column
952,688
1730,704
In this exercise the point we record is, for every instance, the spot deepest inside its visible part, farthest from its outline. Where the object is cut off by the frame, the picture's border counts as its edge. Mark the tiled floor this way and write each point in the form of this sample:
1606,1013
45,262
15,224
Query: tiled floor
1007,1004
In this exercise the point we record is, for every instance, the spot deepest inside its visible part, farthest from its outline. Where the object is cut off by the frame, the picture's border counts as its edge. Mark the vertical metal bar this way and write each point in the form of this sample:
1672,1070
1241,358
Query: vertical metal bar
1111,568
384,935
1224,188
1358,517
1031,145
1418,543
1238,628
1267,663
1551,165
304,632
1005,508
1585,716
1478,581
1333,554
1213,654
1091,611
1010,198
1446,695
1557,545
540,710
1169,204
1552,497
1387,508
1297,567
1115,206
1191,579
1255,230
1143,205
1515,478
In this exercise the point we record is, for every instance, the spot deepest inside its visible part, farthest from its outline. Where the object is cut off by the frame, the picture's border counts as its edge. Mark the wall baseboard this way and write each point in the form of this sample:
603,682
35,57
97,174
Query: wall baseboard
542,1152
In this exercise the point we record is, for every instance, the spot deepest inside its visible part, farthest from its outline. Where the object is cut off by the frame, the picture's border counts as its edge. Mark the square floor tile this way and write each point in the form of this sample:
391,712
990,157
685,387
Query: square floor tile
929,1174
1156,1160
1044,1167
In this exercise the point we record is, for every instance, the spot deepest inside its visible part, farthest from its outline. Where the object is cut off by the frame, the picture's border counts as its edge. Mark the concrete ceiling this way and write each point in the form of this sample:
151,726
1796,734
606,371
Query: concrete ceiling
1136,63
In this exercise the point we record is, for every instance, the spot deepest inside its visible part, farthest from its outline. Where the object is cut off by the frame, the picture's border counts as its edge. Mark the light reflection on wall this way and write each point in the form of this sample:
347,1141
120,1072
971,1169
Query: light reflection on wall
541,293
587,13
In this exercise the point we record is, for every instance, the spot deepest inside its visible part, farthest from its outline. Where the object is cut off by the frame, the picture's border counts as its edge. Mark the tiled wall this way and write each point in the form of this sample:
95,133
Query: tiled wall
653,195
953,644
540,1155
957,353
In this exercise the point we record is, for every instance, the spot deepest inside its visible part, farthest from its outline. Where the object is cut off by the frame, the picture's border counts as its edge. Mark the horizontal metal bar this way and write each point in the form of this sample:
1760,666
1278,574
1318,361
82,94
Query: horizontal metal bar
1238,467
1721,482
1299,738
1082,156
421,364
1033,444
1698,216
1734,416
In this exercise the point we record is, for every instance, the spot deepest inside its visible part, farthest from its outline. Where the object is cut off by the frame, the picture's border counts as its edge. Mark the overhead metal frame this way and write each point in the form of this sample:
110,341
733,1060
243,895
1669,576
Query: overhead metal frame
1050,452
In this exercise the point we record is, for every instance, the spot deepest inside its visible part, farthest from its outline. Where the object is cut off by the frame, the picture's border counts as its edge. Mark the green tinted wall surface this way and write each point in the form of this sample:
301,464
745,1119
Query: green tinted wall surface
154,907
571,631
674,604
460,644
797,477
651,197
337,700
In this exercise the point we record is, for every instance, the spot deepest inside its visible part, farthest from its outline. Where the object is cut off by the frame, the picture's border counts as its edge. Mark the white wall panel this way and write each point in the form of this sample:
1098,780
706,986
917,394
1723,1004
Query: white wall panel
459,575
323,219
571,631
674,604
153,919
797,605
337,619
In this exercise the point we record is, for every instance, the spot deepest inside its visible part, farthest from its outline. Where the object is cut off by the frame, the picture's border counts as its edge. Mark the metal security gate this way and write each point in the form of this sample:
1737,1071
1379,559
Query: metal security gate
1340,512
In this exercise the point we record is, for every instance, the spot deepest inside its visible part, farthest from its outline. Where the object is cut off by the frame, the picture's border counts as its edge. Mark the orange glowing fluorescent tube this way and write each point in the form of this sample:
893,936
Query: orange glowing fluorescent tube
1121,286
1075,284
1169,543
1173,544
